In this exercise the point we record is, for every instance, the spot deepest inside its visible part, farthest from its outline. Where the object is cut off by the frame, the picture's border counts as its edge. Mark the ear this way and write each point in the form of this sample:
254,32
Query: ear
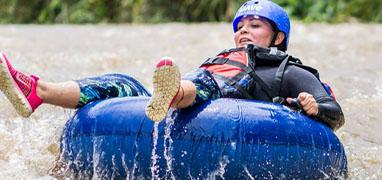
280,38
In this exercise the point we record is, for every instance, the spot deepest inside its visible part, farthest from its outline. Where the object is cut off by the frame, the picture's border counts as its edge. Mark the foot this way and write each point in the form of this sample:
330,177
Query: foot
18,88
166,85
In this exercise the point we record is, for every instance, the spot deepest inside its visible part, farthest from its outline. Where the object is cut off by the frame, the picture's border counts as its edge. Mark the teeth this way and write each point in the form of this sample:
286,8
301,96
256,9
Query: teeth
244,40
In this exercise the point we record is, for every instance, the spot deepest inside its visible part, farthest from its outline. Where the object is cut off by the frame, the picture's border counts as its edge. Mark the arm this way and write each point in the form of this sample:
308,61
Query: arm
330,113
326,110
313,98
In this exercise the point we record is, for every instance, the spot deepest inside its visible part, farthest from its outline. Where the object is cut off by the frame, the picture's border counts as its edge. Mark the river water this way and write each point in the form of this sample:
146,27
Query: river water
348,56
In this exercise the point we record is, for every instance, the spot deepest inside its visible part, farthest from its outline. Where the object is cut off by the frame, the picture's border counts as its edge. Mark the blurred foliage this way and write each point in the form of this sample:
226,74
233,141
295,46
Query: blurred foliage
334,10
152,11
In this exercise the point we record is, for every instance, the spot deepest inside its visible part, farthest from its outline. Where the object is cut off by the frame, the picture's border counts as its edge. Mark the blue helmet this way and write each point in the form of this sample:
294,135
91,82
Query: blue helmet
265,9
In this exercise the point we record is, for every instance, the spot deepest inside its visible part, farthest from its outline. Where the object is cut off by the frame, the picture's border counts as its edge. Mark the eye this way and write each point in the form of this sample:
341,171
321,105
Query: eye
255,25
239,26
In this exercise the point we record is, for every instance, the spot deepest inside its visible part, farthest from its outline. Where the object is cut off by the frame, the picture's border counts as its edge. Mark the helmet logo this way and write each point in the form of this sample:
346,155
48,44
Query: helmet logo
254,7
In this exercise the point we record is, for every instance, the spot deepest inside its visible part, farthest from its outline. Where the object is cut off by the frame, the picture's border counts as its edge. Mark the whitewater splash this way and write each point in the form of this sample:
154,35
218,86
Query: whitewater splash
349,61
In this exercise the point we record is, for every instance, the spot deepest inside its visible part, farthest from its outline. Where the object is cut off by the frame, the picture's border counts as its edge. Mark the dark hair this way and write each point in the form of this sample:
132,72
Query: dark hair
282,45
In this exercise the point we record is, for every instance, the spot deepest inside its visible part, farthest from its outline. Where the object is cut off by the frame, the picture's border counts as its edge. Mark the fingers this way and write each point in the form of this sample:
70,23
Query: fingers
293,102
308,103
289,100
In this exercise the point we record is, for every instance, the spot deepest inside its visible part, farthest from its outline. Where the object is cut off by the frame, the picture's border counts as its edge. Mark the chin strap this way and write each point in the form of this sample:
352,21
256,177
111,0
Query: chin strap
274,37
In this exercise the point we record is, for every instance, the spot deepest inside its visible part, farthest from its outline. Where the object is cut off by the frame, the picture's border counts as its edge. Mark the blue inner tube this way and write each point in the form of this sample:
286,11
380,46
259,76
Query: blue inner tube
223,138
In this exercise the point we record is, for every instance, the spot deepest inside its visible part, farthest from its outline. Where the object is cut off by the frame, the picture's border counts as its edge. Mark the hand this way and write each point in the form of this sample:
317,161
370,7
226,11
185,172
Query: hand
307,102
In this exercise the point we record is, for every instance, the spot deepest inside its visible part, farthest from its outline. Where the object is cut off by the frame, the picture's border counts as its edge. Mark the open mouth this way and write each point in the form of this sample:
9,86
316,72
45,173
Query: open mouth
243,40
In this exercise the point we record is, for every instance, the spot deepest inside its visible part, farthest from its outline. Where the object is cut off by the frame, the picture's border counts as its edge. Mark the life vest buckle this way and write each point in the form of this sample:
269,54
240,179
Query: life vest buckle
214,61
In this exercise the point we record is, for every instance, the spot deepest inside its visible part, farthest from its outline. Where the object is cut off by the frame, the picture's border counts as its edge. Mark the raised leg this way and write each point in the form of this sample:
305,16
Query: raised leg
169,90
26,93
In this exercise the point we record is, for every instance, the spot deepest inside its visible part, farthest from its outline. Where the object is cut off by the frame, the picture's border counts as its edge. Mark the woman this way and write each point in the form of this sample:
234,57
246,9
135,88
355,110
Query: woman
243,72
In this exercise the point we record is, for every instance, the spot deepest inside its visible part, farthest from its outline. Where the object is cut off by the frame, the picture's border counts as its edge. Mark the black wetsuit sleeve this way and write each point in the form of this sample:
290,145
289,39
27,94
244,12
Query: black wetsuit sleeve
297,80
330,113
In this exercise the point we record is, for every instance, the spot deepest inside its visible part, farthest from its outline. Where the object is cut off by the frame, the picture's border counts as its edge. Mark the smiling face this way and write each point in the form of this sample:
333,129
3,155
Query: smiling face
257,31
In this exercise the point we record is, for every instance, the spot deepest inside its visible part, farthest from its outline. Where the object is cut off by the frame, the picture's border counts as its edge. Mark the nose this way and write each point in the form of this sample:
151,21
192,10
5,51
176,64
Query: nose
243,30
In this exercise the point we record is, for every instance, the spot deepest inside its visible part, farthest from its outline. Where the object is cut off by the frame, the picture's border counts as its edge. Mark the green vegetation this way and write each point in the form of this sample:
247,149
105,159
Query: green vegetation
153,11
334,10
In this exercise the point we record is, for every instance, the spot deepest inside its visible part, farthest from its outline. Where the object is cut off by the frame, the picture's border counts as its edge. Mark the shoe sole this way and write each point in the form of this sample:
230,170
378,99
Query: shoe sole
11,90
166,82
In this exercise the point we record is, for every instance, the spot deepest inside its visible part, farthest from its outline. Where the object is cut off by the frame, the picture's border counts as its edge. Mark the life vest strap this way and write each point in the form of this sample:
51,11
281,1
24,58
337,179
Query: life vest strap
276,84
247,69
258,56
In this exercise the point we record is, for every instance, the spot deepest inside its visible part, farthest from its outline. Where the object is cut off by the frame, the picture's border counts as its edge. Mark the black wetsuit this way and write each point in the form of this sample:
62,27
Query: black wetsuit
297,80
294,81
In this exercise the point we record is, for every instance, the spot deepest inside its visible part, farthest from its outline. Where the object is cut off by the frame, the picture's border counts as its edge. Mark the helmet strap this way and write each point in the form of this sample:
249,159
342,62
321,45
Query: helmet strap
275,33
274,37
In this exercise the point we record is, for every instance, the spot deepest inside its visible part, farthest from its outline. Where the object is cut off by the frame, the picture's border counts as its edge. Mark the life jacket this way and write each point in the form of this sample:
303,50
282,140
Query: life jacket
233,67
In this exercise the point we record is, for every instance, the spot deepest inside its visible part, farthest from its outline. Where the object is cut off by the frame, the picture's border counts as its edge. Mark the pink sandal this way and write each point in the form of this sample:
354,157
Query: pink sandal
18,88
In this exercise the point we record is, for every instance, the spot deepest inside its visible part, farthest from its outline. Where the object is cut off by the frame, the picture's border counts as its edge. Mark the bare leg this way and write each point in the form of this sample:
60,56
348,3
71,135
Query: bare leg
186,94
64,94
26,93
